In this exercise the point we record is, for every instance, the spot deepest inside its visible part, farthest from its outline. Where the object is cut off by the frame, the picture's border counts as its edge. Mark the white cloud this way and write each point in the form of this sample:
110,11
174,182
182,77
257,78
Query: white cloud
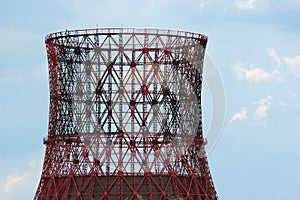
273,54
22,178
11,181
239,115
203,4
24,183
255,74
258,113
293,64
242,4
285,67
263,106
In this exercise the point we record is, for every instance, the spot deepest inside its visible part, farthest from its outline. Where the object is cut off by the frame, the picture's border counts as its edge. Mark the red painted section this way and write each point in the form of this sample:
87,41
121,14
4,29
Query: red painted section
119,118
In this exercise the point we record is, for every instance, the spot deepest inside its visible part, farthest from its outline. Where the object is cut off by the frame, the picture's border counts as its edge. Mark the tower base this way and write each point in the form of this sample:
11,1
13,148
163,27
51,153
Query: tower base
127,187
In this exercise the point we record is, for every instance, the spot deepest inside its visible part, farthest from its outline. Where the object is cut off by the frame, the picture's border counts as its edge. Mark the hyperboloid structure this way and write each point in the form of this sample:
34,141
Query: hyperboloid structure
125,116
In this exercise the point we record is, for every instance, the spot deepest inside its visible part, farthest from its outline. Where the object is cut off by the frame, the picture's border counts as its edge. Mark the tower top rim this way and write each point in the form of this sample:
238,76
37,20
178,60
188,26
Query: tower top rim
125,31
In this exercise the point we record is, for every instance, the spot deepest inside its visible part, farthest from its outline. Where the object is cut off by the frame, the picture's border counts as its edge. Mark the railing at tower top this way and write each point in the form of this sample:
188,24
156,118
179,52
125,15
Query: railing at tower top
99,31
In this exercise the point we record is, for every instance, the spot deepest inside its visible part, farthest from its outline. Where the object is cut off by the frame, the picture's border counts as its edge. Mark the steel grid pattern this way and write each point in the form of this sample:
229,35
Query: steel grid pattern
125,116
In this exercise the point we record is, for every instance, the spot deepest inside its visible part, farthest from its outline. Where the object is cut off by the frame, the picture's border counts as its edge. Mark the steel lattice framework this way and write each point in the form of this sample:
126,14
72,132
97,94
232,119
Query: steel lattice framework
125,116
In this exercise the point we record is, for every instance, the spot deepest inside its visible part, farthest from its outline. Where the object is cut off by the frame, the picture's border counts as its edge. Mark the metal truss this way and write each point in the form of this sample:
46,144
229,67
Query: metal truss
125,116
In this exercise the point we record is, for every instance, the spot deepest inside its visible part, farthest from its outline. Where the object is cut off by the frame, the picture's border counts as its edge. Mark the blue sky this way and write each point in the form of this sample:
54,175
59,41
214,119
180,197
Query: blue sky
254,44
